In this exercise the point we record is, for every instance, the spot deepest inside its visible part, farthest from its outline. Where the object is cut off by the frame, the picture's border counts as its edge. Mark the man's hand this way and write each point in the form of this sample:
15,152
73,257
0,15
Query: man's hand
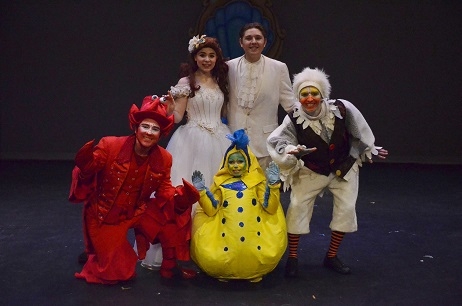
381,153
302,150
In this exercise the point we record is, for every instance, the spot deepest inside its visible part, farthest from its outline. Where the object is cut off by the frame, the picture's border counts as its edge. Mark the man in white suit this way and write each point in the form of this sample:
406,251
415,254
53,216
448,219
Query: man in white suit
258,84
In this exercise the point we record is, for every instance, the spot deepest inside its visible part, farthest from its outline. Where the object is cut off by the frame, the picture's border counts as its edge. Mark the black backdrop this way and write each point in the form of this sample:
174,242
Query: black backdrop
70,70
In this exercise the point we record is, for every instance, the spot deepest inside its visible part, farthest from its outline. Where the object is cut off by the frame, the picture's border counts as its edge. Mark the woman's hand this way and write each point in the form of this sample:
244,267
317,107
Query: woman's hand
169,102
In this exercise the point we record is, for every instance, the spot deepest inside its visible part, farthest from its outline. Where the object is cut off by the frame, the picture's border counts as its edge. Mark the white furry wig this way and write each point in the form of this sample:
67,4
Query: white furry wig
312,77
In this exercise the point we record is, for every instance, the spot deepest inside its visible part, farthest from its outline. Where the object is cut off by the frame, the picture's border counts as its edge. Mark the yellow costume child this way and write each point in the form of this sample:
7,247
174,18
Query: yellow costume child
239,230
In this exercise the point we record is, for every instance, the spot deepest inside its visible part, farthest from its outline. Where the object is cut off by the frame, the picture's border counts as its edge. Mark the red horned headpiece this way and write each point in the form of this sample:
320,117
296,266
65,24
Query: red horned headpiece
151,108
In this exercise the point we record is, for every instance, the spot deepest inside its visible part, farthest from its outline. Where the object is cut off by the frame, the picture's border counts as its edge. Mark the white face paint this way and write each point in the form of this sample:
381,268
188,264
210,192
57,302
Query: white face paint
147,133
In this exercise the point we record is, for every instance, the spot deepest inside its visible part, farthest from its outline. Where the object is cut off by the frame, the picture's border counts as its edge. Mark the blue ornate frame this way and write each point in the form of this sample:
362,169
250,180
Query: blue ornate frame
223,19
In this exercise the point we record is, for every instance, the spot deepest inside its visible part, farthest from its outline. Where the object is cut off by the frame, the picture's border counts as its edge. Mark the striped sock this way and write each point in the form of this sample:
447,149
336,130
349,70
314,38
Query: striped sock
293,245
335,241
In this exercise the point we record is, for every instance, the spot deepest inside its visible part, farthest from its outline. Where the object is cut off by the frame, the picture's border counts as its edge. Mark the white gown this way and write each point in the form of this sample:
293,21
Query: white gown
200,144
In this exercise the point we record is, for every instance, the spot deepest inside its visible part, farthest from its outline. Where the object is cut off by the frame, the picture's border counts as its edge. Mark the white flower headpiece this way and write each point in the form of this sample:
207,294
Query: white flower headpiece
195,42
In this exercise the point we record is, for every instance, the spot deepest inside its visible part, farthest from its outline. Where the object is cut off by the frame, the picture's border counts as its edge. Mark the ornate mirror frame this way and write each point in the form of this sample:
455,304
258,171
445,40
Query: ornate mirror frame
224,18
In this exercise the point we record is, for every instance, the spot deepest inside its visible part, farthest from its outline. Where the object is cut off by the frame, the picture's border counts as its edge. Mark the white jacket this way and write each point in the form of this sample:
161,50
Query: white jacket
262,119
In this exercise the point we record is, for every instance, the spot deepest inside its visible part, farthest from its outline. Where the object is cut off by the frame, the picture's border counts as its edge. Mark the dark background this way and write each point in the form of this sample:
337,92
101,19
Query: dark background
70,70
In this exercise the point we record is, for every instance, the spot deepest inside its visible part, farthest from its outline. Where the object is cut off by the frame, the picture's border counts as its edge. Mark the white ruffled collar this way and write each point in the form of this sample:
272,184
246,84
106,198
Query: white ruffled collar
326,117
249,80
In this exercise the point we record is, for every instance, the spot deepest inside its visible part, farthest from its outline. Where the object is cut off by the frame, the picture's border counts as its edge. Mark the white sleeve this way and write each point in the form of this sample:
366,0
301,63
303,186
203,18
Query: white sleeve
282,140
362,142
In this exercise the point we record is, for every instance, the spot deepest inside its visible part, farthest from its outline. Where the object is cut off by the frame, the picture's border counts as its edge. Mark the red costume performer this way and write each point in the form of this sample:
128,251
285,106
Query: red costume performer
125,184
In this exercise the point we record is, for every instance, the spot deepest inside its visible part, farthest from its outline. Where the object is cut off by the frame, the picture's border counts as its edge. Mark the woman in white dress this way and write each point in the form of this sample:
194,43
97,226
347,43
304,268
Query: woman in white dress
202,94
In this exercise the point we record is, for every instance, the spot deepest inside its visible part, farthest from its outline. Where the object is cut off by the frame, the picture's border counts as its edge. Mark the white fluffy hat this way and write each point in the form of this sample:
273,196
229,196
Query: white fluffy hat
312,77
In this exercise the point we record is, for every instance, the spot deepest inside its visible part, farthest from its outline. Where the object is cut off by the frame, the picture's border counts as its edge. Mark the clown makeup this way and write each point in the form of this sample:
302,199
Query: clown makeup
206,59
147,135
236,164
310,98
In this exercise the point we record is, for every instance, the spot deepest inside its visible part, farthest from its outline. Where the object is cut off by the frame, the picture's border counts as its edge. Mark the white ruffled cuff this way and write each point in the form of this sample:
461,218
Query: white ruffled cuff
367,154
289,165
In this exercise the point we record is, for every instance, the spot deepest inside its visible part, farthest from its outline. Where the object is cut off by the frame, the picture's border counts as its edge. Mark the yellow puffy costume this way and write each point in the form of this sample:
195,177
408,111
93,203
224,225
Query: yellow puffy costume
239,238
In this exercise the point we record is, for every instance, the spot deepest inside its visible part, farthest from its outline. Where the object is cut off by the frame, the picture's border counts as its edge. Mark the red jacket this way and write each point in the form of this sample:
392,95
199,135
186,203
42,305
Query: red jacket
112,158
111,161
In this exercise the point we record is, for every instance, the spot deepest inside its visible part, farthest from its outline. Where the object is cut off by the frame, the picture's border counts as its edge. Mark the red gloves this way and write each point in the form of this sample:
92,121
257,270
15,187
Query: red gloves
186,195
84,159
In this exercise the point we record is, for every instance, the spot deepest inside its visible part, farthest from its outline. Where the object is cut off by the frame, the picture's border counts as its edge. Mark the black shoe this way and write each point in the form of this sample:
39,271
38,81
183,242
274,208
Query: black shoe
83,257
292,267
335,264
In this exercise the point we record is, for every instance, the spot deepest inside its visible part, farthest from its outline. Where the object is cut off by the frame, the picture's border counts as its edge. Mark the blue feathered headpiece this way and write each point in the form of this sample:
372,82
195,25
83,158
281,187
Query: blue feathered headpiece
240,140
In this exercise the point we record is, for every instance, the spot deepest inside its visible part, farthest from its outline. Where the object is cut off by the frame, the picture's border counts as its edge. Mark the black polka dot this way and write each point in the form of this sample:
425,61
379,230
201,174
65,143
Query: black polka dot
223,220
223,234
258,233
225,204
225,249
258,219
241,224
259,248
242,239
254,202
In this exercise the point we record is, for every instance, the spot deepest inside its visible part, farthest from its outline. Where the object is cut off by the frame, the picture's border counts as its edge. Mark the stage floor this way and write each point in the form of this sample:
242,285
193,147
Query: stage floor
407,250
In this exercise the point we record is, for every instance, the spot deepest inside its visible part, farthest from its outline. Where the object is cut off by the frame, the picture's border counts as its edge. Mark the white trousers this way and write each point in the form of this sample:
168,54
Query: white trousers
309,185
